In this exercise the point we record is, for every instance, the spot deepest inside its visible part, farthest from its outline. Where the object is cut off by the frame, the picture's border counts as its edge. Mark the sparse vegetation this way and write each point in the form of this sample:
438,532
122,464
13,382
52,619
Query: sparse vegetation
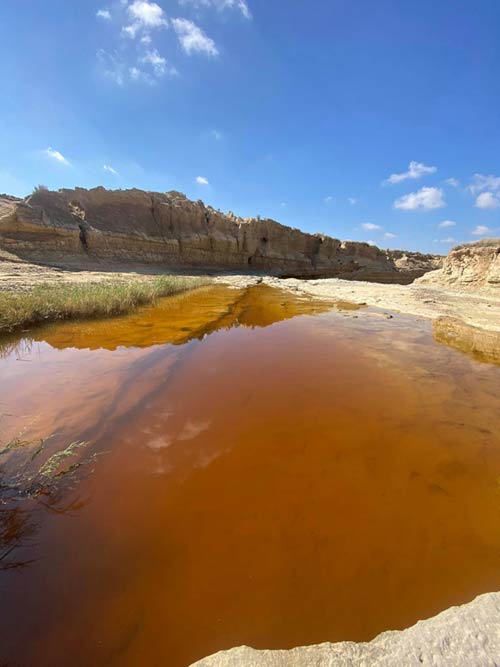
68,301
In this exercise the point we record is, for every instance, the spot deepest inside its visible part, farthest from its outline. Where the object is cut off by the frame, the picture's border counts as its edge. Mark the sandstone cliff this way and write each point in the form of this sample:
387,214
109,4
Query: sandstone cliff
169,230
471,265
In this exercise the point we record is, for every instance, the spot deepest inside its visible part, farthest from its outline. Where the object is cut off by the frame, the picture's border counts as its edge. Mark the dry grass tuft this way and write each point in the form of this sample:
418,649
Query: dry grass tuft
46,302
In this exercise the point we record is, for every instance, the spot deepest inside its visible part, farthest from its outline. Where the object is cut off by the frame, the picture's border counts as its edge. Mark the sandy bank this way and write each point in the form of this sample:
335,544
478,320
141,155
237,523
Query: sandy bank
477,309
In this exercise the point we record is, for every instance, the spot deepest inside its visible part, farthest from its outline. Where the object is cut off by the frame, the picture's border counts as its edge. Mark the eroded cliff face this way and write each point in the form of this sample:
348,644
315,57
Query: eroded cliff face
169,230
472,265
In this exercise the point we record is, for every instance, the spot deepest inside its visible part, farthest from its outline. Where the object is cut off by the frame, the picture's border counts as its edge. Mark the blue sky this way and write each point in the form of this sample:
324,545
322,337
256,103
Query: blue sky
375,121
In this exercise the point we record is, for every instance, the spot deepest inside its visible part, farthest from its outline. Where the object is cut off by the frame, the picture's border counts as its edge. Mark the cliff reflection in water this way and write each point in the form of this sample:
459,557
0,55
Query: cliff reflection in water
177,320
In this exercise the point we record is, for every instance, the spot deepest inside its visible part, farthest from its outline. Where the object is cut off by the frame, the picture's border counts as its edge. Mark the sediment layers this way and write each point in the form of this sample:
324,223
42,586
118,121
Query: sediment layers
167,229
474,266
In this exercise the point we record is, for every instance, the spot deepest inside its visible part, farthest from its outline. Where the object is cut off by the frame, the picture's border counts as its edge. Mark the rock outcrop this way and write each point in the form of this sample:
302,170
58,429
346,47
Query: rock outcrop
469,266
169,230
466,636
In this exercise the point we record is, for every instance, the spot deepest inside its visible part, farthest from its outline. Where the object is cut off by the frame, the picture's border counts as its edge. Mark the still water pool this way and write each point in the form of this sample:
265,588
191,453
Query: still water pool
238,467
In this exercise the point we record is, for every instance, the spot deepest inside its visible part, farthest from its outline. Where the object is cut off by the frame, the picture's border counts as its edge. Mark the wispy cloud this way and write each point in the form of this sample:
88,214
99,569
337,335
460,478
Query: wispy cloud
453,182
112,66
158,63
57,156
425,199
201,180
389,235
481,230
328,200
109,169
447,241
192,38
220,5
369,226
352,200
147,68
217,135
480,183
103,14
415,170
487,200
446,223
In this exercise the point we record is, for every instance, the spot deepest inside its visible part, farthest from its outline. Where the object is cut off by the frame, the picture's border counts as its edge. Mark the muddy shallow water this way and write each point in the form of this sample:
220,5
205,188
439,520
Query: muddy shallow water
240,467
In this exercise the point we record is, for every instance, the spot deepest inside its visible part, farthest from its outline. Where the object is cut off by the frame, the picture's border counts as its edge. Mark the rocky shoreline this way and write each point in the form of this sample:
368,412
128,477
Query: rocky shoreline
465,636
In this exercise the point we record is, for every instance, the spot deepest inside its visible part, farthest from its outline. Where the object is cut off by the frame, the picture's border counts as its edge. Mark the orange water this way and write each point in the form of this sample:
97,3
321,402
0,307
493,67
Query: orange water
269,472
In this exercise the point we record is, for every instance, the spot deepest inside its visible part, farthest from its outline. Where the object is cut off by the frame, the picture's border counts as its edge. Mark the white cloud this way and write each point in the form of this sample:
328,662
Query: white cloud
158,63
217,135
453,182
146,39
481,230
389,235
480,182
220,5
103,14
201,180
369,226
328,200
192,38
425,199
145,16
446,223
283,204
112,66
57,156
352,200
137,74
487,200
109,169
415,170
449,240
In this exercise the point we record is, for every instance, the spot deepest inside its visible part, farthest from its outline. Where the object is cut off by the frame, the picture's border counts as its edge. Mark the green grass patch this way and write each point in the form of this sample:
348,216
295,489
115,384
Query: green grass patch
45,303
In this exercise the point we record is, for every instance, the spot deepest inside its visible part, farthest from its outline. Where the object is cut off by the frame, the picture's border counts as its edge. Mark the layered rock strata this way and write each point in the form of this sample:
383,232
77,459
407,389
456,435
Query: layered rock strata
474,266
171,231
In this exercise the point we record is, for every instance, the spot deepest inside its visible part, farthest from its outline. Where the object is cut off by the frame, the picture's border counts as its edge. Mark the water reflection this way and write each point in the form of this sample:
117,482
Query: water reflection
264,485
481,344
35,472
33,477
179,319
